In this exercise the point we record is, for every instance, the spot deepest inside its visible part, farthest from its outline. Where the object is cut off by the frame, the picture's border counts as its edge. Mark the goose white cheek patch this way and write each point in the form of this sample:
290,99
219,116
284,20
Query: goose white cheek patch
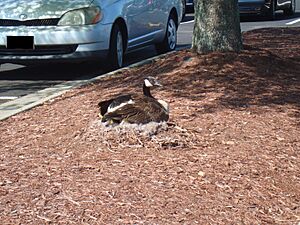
147,83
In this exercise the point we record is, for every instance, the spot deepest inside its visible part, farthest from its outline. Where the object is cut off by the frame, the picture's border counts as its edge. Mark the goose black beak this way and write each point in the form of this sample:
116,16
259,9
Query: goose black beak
157,84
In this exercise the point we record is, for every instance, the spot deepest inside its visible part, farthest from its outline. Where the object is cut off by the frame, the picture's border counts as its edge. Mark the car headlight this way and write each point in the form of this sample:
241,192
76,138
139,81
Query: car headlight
85,16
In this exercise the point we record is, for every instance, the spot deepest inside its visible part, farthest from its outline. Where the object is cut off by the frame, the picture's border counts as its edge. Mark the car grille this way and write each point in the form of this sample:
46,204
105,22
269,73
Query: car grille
41,22
39,50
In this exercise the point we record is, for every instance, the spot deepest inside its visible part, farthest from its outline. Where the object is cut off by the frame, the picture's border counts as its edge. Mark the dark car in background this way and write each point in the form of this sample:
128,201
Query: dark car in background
267,7
258,7
188,6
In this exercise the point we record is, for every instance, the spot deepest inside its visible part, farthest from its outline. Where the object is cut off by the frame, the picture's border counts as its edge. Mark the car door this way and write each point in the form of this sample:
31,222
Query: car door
159,14
139,18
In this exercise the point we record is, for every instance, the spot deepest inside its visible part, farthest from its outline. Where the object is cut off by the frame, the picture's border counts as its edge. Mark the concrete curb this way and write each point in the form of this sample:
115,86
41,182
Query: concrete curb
27,102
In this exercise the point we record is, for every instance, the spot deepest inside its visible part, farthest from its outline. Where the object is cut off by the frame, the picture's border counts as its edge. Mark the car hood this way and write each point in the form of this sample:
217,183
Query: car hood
38,9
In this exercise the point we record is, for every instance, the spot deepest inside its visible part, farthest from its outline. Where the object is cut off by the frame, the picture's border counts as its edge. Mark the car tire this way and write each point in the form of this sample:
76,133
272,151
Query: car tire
291,10
116,49
271,15
170,39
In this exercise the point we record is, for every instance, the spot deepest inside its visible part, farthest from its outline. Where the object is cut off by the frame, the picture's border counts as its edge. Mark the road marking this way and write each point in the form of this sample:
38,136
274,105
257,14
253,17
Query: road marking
293,22
8,97
191,21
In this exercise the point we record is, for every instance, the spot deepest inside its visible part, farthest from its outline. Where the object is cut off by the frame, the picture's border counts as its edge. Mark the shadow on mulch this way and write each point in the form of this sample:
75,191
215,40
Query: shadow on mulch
265,73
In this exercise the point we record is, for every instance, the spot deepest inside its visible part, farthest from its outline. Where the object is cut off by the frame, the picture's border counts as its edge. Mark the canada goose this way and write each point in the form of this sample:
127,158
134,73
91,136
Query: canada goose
134,108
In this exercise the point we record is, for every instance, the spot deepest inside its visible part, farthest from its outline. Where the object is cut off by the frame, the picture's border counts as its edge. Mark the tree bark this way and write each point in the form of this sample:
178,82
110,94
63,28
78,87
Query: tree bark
217,26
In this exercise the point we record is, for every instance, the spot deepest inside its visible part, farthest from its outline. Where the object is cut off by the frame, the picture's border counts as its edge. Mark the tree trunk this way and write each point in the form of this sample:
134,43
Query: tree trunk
217,26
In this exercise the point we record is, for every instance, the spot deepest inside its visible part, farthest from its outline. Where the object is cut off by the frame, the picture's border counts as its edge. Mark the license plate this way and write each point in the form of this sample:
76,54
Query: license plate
20,42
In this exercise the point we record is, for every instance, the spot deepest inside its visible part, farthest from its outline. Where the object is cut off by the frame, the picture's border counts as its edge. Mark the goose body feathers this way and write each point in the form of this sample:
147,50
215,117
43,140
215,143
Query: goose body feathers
143,110
115,103
134,108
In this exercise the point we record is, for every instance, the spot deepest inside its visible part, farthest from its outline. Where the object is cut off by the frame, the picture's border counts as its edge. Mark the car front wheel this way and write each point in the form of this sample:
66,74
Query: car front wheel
116,49
170,40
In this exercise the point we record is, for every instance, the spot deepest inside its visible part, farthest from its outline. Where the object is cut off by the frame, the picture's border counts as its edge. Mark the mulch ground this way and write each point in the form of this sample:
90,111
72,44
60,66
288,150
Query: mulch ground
228,155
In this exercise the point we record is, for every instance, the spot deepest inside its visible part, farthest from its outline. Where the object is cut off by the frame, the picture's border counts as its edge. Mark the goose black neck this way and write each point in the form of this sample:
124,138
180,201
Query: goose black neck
146,91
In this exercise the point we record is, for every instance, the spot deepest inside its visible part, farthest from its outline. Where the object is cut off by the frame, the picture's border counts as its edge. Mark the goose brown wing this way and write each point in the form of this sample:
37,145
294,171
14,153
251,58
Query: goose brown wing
114,102
144,110
154,110
128,113
120,100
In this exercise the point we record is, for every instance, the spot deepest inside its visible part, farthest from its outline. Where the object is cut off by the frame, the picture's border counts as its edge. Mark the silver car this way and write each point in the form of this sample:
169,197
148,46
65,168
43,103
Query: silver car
103,30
